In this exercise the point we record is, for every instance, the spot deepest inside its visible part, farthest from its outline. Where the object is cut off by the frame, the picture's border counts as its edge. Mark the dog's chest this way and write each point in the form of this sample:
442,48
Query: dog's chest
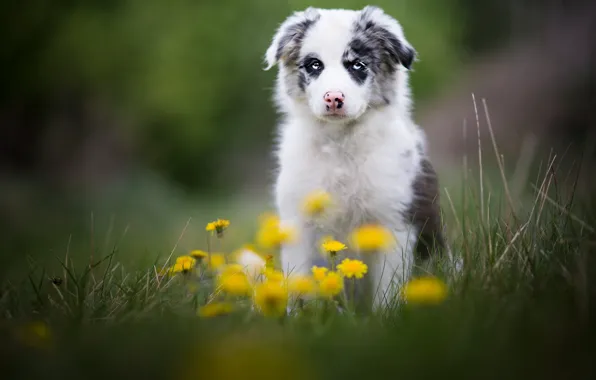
367,185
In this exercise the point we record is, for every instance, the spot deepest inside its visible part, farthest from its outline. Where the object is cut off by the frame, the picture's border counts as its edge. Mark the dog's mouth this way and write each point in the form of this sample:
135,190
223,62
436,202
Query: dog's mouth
340,114
336,115
338,119
336,110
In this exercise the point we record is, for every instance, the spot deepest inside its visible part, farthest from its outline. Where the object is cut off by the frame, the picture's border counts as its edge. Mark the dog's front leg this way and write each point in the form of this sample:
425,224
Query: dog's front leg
391,270
297,257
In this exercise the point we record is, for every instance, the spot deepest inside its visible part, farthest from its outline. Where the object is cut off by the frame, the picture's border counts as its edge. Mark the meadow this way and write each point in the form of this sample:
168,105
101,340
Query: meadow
521,306
123,134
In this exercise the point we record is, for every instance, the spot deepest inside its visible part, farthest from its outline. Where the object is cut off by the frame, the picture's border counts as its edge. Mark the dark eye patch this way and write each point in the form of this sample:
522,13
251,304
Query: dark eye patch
357,70
309,69
312,65
360,52
365,52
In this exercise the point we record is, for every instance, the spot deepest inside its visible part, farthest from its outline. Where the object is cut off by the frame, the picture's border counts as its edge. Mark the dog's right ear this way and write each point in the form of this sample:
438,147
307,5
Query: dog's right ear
288,38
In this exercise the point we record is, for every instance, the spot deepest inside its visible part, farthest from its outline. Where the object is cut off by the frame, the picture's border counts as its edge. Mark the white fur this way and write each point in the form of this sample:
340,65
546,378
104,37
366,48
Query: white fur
253,264
367,162
334,77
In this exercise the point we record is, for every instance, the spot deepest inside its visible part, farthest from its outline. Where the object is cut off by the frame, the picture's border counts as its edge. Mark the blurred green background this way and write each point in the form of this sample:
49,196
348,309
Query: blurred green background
143,113
184,79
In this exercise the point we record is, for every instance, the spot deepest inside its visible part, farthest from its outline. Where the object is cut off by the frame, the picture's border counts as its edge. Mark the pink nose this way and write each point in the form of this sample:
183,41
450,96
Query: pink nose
334,98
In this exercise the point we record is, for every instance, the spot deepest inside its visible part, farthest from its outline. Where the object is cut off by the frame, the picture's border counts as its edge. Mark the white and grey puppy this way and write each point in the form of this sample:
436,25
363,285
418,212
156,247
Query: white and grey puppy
347,128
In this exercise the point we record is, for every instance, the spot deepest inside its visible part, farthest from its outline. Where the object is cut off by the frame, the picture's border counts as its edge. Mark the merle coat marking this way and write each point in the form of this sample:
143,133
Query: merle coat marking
367,152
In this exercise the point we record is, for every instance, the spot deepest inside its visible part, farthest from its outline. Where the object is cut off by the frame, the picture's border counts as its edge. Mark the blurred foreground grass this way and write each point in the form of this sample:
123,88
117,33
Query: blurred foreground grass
521,308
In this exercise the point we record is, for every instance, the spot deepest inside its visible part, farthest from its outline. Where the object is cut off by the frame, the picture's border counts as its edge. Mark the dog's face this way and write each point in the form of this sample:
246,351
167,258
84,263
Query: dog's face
340,62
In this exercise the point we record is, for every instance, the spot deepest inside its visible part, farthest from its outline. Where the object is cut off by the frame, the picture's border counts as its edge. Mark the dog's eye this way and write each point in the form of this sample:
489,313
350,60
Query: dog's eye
358,66
315,65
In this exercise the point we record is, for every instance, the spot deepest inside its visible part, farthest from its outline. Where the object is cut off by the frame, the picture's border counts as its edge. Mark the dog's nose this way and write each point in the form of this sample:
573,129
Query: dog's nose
336,97
335,100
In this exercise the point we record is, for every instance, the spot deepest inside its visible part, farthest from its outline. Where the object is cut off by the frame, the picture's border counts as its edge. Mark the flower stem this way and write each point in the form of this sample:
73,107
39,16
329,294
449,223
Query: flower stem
353,300
208,250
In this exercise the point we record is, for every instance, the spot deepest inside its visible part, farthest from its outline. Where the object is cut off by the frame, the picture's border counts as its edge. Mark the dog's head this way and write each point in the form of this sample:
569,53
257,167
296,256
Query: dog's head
339,62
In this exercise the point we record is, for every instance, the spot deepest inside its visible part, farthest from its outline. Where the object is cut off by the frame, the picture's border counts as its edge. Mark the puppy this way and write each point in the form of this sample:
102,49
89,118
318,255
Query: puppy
342,90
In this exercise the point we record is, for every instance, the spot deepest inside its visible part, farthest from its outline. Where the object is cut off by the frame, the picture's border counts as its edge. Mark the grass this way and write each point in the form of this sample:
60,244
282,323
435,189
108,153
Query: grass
522,307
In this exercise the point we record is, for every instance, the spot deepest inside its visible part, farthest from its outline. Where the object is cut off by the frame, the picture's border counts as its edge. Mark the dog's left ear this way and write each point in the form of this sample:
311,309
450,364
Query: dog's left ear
389,33
287,39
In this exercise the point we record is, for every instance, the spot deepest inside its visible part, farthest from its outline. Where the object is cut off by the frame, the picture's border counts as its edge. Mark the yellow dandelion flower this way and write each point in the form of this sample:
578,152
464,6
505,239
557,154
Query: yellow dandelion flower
271,298
198,254
184,267
331,285
272,233
332,247
246,355
372,238
215,309
36,334
183,264
216,261
40,330
319,273
234,283
301,285
273,275
352,268
218,226
231,269
316,203
425,290
185,259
